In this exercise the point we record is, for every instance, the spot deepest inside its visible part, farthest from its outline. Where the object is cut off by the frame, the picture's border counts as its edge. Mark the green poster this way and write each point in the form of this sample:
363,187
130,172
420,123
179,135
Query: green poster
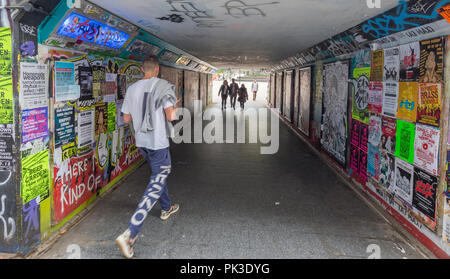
406,133
5,51
360,102
111,117
35,176
6,101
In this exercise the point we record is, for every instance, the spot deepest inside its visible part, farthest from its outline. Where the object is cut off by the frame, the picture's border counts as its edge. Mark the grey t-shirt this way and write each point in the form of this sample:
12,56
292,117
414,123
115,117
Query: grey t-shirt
134,105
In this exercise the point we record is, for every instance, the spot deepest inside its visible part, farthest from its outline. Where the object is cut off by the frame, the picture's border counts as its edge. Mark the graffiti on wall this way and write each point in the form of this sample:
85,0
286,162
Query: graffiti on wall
8,223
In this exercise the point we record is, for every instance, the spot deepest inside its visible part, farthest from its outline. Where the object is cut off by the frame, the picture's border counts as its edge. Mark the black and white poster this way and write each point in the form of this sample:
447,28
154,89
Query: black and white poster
391,64
85,81
86,127
404,180
424,197
33,85
6,147
390,99
121,86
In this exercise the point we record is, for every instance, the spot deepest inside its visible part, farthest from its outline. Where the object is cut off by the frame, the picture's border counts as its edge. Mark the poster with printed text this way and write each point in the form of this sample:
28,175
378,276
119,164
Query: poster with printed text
335,108
85,81
35,176
99,81
363,160
360,104
404,147
425,193
404,180
305,100
374,162
391,64
387,171
121,86
390,99
355,132
376,97
375,130
376,73
65,87
364,137
119,115
6,101
5,52
426,150
354,158
429,108
407,101
33,85
101,118
86,127
111,84
34,124
431,60
64,125
6,148
112,117
388,136
410,62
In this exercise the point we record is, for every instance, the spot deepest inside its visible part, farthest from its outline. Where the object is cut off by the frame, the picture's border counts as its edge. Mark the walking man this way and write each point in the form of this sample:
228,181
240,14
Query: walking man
234,90
224,92
149,106
243,96
255,88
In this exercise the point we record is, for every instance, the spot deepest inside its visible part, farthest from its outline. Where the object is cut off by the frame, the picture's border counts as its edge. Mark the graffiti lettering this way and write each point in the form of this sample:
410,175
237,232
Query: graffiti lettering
172,18
202,18
422,8
238,8
31,215
7,235
30,30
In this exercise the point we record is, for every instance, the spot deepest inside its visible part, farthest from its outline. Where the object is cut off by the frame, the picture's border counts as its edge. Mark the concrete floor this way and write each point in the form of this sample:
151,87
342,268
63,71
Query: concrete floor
238,204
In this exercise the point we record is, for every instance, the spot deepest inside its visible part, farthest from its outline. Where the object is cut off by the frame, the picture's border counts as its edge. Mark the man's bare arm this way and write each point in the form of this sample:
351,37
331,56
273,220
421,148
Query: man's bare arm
171,114
127,118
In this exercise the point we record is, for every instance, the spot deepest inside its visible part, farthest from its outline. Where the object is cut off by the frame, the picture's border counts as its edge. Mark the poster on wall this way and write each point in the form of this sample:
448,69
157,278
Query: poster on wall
360,104
35,176
33,85
374,162
390,99
111,84
355,132
101,118
404,180
305,100
410,62
121,86
6,101
65,87
426,150
375,130
28,35
446,222
86,127
6,148
425,193
387,171
363,161
34,124
119,115
404,147
354,158
74,184
391,64
99,80
429,108
431,60
376,97
376,73
364,137
407,101
388,137
64,125
335,103
102,161
85,80
5,52
112,109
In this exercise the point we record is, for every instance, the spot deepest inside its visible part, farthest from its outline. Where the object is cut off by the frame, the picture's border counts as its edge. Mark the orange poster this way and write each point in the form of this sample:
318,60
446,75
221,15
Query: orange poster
408,101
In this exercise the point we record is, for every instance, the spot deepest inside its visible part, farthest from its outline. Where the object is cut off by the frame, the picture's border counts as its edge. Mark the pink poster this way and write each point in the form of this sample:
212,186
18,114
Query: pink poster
376,97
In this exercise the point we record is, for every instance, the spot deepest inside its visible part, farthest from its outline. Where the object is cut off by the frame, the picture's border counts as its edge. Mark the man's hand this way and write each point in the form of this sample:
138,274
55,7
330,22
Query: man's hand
127,118
171,113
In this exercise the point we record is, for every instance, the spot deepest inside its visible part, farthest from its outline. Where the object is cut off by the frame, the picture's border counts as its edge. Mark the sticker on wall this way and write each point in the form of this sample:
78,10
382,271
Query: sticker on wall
407,101
410,62
390,99
5,52
86,82
360,104
425,193
388,137
404,147
391,64
34,124
33,85
387,171
376,73
35,176
6,148
431,60
65,87
426,150
6,101
376,97
64,125
404,180
429,108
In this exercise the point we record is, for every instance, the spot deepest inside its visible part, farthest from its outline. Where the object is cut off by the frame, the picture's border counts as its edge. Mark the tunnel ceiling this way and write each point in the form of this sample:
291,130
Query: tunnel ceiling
244,33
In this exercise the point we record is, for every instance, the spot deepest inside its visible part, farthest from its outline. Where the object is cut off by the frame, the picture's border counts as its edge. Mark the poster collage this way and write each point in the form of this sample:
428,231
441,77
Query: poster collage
395,127
89,145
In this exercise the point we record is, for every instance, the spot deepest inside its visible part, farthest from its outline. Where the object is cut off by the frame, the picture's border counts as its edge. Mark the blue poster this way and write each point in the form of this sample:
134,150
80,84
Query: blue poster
374,162
65,87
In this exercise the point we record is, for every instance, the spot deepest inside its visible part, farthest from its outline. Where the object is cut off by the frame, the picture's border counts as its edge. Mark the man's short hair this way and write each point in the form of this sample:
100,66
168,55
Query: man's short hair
150,63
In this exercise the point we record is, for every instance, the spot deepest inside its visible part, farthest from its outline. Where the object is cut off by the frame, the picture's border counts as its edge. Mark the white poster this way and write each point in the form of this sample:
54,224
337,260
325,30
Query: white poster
33,85
391,70
86,127
404,180
446,225
390,99
426,148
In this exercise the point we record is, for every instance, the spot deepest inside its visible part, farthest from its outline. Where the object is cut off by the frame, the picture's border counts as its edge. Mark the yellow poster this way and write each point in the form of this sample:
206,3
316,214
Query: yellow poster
35,176
5,51
408,101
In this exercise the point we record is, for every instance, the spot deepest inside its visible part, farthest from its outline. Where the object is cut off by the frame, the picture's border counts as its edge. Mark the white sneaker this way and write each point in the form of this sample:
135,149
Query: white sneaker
126,244
166,214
